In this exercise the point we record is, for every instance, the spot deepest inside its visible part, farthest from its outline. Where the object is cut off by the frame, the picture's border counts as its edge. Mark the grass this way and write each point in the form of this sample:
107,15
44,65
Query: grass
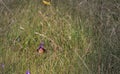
81,37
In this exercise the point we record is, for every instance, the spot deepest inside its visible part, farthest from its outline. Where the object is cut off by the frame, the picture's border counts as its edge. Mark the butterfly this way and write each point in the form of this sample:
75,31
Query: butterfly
41,48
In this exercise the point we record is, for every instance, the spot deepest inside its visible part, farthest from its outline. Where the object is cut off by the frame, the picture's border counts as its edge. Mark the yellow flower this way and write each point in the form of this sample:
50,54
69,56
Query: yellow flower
46,2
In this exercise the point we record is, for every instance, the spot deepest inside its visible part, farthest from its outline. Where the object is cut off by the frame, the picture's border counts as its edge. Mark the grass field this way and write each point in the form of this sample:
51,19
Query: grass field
80,37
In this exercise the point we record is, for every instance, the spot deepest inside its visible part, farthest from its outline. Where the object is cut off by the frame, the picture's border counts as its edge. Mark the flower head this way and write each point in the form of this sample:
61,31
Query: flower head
41,48
2,65
41,45
27,72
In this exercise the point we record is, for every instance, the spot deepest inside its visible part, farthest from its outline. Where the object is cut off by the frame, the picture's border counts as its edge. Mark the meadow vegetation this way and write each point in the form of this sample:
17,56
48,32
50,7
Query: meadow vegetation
80,36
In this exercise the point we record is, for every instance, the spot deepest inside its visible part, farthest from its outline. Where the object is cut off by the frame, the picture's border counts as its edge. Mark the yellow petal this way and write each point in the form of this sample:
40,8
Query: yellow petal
46,2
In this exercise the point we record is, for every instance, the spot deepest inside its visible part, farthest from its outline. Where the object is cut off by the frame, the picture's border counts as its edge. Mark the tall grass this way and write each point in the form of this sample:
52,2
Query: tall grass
81,37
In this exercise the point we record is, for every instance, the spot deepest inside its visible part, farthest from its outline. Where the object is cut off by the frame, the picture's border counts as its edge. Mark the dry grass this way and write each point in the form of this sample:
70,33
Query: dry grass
84,34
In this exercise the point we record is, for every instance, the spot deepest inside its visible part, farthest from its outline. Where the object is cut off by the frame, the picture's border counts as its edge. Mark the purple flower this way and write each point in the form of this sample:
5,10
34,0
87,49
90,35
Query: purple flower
27,72
41,45
3,66
41,48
